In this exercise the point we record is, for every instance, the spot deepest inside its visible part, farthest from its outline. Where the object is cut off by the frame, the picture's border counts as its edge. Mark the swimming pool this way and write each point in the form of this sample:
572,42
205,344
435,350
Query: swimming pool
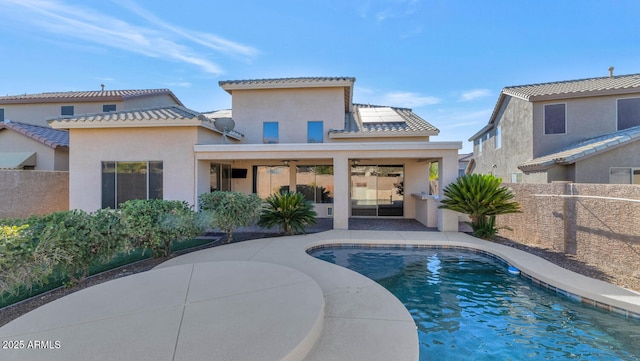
467,306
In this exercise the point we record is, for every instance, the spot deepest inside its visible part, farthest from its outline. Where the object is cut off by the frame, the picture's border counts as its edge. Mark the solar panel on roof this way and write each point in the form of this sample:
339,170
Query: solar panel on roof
380,115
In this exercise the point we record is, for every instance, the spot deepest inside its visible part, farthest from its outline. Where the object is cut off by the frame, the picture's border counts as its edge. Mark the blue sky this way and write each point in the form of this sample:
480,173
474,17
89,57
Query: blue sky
447,60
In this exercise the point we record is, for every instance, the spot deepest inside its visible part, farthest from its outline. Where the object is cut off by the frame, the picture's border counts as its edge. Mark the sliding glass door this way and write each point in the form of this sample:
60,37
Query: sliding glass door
377,191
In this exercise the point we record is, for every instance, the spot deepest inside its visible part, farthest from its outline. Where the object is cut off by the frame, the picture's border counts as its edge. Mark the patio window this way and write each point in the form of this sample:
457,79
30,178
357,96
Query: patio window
315,182
66,110
628,113
270,132
109,108
123,181
555,119
270,179
314,132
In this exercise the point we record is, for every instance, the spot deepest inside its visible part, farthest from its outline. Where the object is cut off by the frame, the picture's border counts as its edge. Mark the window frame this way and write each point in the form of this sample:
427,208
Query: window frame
270,140
618,112
113,182
314,189
313,138
634,172
544,119
67,107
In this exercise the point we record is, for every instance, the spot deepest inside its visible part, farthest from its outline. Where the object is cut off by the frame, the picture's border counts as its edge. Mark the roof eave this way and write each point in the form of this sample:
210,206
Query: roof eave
395,134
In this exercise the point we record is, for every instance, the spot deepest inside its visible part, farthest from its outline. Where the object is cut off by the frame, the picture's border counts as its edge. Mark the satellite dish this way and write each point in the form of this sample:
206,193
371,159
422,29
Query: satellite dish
224,125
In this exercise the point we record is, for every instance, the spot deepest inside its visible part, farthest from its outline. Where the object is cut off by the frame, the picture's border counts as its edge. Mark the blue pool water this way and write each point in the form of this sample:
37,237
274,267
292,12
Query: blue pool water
468,307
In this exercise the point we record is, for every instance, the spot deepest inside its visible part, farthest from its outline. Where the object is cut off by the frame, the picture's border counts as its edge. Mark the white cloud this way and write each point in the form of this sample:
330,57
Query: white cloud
474,94
408,99
382,10
94,27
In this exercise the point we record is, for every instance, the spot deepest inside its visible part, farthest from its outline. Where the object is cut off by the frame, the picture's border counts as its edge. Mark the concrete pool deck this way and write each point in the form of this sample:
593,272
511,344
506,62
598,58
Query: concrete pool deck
264,299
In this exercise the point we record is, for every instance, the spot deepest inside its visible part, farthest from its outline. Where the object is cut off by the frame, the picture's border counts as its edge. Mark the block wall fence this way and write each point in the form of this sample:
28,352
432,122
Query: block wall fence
31,192
598,224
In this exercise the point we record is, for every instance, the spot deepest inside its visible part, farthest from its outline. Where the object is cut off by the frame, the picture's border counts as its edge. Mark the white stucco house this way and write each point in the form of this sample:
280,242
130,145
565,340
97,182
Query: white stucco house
304,134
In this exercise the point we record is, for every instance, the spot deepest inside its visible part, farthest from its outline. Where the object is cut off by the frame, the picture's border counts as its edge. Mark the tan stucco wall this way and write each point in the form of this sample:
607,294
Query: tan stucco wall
39,113
171,145
586,118
291,108
149,101
596,169
514,119
46,158
31,192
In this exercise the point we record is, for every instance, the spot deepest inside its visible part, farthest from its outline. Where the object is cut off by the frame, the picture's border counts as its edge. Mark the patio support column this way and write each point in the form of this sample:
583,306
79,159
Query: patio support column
447,173
340,191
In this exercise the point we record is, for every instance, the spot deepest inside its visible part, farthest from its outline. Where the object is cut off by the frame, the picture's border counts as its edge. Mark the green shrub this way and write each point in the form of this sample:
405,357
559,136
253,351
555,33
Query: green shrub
25,260
290,211
156,224
228,211
482,198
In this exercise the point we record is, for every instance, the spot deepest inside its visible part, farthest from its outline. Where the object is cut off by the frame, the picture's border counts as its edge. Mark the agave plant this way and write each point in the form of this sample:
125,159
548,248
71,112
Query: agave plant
290,211
482,198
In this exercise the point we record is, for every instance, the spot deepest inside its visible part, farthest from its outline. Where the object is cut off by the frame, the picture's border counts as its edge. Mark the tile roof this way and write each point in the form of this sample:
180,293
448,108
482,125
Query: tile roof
304,81
568,89
581,150
411,124
173,115
85,96
54,138
576,88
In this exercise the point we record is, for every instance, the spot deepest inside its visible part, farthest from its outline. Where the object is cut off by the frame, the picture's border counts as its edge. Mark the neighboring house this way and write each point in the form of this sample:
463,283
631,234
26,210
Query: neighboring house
33,147
26,140
37,108
301,134
463,163
582,131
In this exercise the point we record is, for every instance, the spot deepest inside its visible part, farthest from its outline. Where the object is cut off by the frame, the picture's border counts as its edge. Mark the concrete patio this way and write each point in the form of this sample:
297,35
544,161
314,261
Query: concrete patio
264,299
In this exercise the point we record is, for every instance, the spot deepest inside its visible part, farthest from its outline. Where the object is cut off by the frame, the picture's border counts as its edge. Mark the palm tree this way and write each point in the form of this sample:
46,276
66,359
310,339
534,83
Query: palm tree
481,197
290,211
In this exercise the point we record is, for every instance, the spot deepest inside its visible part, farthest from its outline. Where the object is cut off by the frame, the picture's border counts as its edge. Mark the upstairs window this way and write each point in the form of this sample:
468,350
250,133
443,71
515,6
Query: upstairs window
480,144
66,110
555,119
315,132
109,108
498,137
1,114
628,113
270,133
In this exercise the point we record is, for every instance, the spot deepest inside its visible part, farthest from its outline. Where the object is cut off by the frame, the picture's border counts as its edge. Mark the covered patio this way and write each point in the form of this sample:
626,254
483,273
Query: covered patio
409,161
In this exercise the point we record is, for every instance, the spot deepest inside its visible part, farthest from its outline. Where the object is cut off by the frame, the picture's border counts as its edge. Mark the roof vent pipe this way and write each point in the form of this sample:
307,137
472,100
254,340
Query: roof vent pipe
610,72
102,85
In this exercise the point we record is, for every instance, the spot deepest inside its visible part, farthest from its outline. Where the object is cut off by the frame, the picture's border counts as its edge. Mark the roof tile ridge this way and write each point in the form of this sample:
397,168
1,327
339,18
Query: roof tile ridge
572,81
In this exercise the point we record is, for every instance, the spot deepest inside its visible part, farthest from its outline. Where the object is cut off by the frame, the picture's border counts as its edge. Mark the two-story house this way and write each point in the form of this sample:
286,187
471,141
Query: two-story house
582,131
27,141
303,134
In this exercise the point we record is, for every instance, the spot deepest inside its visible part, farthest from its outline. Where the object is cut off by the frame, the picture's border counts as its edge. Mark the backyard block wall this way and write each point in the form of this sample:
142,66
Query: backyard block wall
31,192
597,223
